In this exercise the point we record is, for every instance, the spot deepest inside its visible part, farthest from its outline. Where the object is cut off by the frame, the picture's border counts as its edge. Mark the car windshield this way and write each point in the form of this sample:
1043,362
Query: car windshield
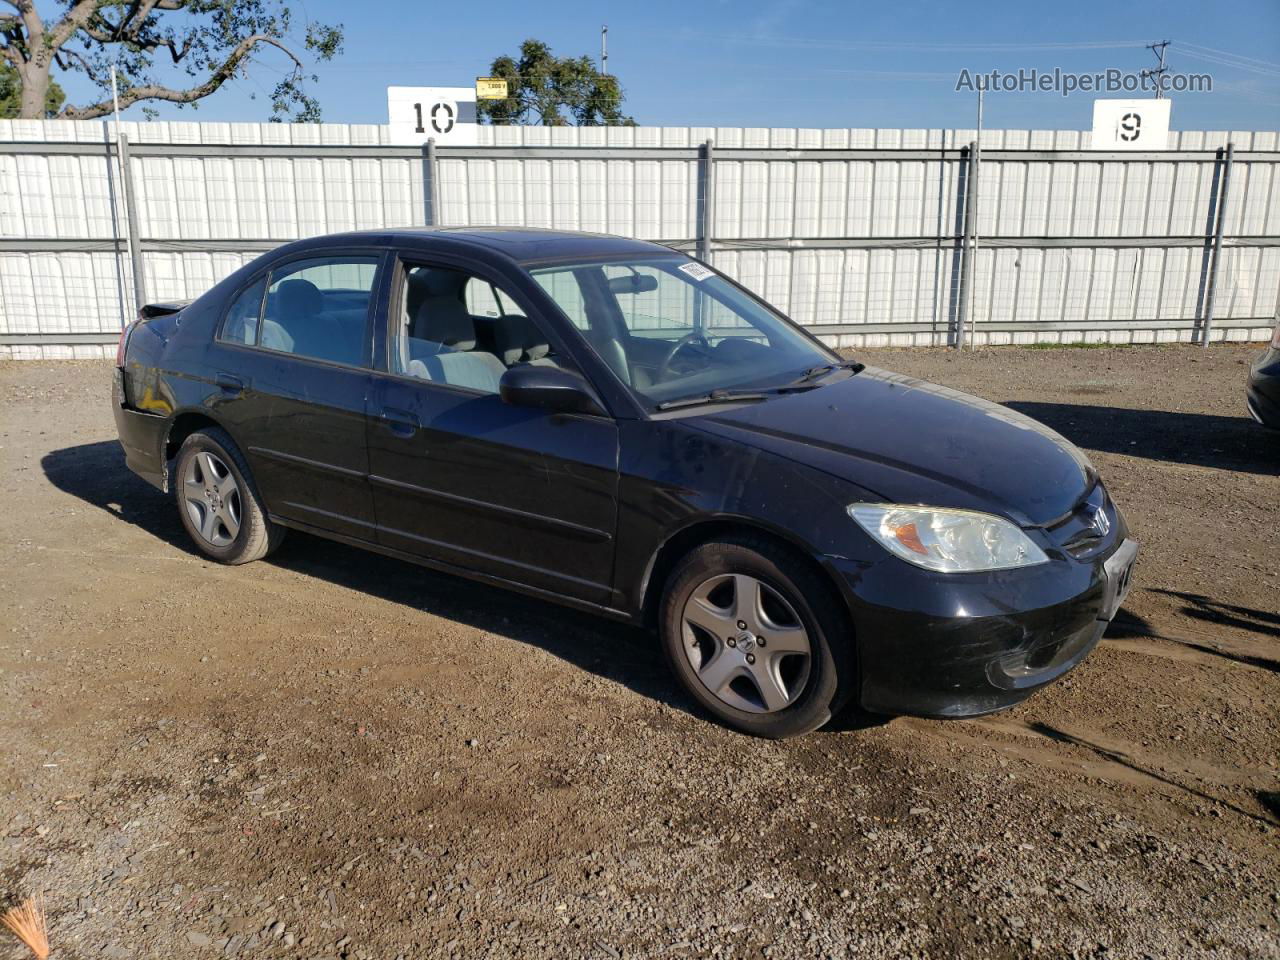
673,329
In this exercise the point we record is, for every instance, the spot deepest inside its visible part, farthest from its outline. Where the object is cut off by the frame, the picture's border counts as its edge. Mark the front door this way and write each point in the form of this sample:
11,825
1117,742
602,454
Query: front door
461,477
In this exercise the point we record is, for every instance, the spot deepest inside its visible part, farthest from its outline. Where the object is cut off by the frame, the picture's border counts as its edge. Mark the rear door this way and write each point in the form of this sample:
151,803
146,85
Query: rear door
461,477
295,372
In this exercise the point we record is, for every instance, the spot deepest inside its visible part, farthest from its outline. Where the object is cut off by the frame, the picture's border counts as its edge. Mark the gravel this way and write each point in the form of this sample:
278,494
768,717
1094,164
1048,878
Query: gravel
285,760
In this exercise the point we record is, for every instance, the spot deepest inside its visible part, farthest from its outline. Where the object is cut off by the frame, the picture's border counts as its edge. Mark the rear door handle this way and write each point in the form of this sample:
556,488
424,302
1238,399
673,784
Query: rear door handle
400,422
228,383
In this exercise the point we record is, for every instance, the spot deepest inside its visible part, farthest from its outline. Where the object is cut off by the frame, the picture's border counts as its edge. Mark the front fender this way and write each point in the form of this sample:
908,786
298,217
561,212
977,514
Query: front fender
677,481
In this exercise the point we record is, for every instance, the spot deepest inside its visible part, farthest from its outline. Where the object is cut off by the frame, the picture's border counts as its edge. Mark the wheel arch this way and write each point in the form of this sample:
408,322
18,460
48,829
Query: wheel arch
182,425
680,542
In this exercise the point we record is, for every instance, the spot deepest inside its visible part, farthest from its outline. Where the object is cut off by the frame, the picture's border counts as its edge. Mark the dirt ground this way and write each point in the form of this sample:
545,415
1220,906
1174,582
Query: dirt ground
333,754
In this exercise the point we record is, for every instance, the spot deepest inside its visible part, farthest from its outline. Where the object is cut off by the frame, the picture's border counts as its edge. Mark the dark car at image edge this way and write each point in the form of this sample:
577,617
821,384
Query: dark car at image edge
609,424
1263,390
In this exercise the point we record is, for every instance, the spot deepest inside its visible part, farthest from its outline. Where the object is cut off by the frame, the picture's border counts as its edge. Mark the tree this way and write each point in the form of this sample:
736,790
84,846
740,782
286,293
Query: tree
11,94
541,85
210,41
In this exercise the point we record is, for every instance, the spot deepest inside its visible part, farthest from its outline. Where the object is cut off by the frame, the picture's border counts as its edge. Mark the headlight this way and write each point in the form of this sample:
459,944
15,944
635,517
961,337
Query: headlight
949,541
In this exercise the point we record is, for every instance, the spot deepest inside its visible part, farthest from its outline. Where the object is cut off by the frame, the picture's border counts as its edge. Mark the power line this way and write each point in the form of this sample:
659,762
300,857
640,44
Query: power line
1234,56
1231,60
904,45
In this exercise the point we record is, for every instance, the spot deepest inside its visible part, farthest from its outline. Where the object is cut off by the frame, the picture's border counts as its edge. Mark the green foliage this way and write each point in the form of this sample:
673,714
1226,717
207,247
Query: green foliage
555,91
11,95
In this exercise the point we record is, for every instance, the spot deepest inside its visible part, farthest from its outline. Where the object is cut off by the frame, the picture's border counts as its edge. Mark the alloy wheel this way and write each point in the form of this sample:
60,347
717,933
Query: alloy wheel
745,643
212,498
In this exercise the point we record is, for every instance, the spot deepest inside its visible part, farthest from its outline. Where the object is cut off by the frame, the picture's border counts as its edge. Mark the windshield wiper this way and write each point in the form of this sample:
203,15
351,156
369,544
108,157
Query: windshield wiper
715,396
814,372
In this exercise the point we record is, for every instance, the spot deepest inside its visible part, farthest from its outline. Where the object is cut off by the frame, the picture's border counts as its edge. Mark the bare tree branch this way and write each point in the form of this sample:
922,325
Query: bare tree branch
219,76
31,20
65,28
67,53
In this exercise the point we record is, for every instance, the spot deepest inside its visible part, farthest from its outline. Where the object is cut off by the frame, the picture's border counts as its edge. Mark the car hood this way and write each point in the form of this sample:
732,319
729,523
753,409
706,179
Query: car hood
909,441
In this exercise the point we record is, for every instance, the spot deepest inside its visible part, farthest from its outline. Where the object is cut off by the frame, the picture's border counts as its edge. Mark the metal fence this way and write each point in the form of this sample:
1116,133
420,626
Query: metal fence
867,237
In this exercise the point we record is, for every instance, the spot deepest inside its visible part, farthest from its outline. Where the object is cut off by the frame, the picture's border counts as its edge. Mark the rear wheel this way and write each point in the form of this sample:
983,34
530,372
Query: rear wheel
756,637
218,502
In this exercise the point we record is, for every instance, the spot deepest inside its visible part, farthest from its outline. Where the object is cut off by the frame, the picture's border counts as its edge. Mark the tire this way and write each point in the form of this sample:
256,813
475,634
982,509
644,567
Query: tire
780,692
218,502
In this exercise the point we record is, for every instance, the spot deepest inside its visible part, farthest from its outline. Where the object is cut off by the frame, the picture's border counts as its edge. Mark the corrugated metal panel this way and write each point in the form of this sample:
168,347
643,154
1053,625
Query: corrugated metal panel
770,202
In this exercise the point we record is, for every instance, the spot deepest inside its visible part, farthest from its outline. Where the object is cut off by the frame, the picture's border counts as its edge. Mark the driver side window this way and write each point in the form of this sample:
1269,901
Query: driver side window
458,329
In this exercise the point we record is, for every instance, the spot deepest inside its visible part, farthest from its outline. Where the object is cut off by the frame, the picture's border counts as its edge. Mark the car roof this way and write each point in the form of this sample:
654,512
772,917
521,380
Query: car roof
521,244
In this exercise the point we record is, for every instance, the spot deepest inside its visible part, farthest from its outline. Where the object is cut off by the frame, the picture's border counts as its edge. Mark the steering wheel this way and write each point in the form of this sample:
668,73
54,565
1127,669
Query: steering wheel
688,340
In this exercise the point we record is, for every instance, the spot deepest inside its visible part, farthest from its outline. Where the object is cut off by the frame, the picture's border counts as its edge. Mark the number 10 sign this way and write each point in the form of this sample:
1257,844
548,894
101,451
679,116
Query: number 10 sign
418,114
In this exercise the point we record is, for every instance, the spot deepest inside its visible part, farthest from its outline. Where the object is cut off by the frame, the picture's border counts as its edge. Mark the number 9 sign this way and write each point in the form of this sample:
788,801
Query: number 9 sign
1130,124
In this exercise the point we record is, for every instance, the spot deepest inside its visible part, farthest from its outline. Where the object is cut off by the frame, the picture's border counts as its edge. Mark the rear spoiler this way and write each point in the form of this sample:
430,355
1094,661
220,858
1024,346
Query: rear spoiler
150,311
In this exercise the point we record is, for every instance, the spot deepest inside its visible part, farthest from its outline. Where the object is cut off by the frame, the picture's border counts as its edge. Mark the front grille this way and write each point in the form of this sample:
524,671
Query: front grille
1081,534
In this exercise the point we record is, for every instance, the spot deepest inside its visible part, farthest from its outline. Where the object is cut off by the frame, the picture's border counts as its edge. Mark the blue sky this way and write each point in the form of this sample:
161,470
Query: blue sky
796,62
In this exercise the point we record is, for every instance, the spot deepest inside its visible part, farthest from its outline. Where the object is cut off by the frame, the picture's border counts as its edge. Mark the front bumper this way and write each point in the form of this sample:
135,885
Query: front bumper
948,645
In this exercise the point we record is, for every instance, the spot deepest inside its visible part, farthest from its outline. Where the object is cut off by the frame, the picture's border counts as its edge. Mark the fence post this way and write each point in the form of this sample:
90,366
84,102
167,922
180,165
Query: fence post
118,239
131,218
967,258
706,186
431,189
1217,246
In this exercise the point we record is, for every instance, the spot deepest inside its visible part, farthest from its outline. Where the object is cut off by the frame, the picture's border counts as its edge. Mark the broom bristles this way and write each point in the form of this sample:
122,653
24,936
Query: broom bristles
28,924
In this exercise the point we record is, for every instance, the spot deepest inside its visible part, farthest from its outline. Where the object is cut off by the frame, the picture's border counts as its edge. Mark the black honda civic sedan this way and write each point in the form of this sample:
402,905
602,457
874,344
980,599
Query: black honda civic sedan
614,426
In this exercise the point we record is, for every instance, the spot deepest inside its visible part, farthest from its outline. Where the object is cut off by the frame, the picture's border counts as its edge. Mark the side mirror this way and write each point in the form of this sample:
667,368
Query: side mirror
549,388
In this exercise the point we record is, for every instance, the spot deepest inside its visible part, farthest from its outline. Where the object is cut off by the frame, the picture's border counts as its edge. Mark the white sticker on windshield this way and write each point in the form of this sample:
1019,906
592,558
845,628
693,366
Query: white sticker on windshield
695,270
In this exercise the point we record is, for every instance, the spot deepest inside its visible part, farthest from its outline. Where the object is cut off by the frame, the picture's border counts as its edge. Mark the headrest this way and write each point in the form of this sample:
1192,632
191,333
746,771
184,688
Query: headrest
440,323
299,297
518,339
434,302
432,283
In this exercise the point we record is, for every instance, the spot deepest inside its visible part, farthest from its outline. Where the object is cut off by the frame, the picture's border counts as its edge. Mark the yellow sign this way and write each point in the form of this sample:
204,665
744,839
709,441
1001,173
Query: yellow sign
491,88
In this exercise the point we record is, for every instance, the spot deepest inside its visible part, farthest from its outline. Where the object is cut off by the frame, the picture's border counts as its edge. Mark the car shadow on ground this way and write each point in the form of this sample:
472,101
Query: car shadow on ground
1127,625
1199,607
96,473
1265,798
1208,440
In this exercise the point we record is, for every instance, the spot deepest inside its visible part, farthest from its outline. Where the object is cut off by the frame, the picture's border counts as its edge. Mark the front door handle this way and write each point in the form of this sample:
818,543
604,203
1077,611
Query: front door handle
403,423
229,384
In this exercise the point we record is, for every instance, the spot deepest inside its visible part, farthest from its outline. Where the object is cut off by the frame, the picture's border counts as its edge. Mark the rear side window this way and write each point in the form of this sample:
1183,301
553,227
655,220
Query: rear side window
241,325
319,308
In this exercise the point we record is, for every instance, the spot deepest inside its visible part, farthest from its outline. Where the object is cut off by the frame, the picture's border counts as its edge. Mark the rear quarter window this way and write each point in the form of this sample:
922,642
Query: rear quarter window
244,315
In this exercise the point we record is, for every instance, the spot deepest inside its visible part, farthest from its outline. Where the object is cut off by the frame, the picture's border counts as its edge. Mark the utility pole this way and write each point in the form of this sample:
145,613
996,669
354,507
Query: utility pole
604,49
1158,49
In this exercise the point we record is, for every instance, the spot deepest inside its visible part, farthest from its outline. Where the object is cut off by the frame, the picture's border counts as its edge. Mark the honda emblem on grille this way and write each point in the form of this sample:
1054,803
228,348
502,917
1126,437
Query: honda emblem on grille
1101,522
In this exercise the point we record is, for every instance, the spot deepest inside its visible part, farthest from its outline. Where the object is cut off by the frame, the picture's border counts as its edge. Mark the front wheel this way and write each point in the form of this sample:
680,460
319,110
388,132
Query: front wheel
218,502
763,650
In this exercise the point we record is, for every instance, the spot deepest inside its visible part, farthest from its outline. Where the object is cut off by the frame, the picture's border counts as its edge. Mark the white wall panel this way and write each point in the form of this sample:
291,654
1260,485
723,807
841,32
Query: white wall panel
220,198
